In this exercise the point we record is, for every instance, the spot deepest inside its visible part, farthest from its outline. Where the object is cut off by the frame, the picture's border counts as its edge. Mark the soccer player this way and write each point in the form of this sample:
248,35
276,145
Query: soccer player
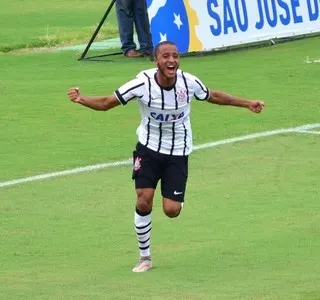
164,143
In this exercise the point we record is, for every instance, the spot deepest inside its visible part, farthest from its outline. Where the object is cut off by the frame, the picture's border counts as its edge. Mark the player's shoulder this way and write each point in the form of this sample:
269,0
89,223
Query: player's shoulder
149,73
186,75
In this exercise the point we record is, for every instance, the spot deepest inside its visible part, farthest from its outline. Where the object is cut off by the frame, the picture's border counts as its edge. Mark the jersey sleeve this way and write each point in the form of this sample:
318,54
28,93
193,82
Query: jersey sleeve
201,92
132,89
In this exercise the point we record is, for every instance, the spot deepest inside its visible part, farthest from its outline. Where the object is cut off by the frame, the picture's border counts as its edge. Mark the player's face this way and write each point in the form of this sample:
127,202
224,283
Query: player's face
167,60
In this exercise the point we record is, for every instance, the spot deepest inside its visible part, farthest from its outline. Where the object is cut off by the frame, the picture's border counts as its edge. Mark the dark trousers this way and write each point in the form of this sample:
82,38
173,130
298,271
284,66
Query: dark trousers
132,13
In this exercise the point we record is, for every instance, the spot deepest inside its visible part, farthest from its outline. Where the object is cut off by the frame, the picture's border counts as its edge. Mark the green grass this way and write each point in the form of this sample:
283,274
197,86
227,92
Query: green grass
250,226
38,97
32,24
246,231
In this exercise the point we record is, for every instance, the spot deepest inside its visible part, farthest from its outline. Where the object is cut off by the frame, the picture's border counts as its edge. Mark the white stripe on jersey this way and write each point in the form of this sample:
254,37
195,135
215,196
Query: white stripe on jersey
165,113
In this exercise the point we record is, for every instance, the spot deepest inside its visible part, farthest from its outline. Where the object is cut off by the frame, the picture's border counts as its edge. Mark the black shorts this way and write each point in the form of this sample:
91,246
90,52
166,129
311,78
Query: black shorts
150,166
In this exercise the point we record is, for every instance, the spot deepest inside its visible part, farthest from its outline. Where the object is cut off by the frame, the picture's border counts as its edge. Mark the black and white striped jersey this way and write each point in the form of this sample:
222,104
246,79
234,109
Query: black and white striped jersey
165,112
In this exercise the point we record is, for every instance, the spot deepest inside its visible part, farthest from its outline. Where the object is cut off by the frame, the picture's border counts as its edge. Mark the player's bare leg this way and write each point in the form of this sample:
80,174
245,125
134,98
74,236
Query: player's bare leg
171,207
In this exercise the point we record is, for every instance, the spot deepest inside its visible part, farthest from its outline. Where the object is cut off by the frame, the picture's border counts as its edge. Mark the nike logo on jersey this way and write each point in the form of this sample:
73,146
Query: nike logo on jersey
166,117
177,193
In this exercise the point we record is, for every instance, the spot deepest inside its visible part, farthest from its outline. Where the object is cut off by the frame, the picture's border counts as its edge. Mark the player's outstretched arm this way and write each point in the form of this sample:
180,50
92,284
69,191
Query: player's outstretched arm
222,98
94,102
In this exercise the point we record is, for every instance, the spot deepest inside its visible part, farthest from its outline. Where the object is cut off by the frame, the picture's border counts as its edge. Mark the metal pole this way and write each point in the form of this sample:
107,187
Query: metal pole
97,30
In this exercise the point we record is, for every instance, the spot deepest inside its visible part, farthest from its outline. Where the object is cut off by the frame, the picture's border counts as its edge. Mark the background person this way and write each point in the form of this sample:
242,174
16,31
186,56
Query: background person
130,14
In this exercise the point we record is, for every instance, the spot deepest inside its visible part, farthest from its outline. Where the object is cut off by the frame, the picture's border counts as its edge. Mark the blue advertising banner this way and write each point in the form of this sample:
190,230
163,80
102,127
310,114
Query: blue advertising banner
203,25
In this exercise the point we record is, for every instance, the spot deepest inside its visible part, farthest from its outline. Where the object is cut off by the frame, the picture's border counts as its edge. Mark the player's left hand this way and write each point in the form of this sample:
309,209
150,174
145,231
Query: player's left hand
256,106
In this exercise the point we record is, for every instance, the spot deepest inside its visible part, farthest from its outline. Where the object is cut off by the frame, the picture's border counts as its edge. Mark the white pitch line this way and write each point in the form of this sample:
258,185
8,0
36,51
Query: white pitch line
303,129
308,131
66,172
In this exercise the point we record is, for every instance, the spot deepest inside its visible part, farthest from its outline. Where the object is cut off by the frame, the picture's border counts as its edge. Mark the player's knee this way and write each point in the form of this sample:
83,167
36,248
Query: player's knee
144,200
144,206
172,213
172,209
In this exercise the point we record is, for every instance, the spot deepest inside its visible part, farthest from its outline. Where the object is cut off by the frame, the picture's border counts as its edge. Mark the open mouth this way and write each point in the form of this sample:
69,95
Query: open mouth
171,69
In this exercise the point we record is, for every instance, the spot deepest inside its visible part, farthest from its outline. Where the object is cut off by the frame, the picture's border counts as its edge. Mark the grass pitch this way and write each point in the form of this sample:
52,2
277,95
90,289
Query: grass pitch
250,226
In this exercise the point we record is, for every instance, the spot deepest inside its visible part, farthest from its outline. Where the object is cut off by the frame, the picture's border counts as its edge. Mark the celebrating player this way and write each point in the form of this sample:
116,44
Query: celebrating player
164,143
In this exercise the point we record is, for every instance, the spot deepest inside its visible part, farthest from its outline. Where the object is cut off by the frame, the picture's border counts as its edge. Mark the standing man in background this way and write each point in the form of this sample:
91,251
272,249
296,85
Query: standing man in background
130,14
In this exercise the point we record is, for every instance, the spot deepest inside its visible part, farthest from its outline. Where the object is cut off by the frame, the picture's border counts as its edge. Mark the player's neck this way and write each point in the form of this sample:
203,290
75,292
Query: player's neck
165,82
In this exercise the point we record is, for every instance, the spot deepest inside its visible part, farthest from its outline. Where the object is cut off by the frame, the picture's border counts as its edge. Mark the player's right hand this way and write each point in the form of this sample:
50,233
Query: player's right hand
74,94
